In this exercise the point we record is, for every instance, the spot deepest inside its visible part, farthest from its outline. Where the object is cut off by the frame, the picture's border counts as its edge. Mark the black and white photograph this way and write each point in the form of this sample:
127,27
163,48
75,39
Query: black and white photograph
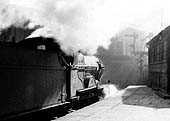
84,60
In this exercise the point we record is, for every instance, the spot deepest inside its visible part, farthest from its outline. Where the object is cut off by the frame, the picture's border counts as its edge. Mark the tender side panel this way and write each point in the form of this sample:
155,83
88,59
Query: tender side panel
76,83
29,80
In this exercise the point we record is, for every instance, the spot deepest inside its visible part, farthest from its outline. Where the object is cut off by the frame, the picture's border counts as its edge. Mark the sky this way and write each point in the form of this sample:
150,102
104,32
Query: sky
85,24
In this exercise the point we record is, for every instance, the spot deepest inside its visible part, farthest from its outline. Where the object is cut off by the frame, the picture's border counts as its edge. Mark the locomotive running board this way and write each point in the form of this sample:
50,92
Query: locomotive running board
88,90
88,96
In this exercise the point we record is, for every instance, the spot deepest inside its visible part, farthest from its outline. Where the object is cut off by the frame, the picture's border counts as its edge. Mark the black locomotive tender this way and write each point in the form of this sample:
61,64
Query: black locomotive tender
37,75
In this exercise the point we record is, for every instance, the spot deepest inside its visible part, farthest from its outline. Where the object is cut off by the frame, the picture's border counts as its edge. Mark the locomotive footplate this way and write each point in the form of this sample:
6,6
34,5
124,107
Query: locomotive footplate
88,96
88,90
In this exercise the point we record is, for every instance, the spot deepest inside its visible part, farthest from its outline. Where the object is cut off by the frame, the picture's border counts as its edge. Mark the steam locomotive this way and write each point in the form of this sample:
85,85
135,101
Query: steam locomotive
37,75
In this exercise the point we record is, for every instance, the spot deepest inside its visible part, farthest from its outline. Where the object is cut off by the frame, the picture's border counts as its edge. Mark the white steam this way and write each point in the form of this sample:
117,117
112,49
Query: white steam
83,24
109,90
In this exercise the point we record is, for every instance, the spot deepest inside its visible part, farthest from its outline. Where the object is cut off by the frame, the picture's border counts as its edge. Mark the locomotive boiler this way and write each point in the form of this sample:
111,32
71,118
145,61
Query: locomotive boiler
37,75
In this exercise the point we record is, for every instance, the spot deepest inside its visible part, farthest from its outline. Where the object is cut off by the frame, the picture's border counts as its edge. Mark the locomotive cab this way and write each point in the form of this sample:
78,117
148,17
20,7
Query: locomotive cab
88,71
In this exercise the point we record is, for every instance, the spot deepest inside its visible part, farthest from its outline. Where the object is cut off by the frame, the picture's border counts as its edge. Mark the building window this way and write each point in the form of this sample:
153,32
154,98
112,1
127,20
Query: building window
164,50
157,52
154,57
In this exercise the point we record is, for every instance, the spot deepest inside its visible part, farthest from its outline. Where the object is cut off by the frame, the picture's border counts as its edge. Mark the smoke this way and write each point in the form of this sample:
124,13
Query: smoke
109,90
77,24
9,15
66,21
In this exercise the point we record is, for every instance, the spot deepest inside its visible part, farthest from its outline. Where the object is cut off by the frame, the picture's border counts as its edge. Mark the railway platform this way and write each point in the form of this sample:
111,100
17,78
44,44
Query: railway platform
135,103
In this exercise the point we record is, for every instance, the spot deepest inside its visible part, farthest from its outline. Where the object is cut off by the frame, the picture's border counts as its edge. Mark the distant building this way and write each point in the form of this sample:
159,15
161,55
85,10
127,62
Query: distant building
116,47
126,43
132,40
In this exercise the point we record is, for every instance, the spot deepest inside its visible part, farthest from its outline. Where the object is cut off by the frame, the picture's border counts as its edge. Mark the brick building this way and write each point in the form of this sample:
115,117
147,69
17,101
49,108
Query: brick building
159,61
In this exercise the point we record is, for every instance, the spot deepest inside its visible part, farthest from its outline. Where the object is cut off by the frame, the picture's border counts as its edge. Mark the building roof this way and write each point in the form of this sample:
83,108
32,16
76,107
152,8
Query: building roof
160,36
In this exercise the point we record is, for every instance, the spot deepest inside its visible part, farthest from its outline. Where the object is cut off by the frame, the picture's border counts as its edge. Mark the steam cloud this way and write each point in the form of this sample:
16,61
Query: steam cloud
76,24
109,90
67,21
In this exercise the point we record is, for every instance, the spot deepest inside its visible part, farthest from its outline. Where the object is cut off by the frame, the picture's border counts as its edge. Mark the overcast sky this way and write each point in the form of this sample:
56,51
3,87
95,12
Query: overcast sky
87,22
148,15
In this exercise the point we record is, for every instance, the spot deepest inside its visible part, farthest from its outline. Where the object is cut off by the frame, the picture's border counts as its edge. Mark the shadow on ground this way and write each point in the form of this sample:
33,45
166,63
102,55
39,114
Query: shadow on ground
143,96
